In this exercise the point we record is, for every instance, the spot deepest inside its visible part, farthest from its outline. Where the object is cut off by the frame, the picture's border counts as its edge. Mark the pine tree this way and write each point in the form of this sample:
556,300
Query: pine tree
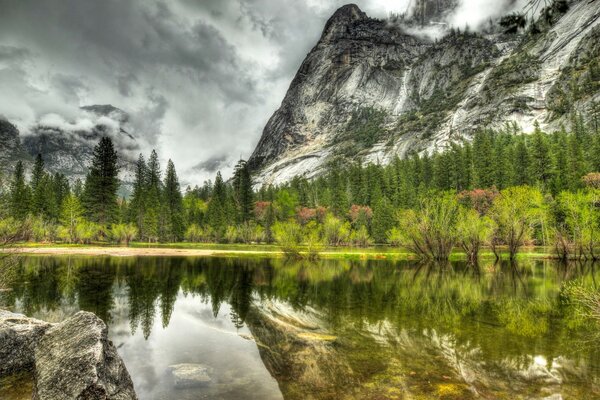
39,189
521,163
383,220
576,162
216,213
102,183
153,200
540,162
60,189
137,206
19,193
173,204
560,166
242,186
500,163
482,160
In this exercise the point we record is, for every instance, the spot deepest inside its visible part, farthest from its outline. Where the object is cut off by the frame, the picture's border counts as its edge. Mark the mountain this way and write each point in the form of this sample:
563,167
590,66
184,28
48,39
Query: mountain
372,89
67,147
11,150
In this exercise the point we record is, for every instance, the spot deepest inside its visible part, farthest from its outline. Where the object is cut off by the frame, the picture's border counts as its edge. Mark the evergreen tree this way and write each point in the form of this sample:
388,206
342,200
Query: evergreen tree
216,213
540,162
19,193
137,206
482,160
560,166
153,200
174,204
242,186
102,183
521,163
576,162
383,220
39,189
60,189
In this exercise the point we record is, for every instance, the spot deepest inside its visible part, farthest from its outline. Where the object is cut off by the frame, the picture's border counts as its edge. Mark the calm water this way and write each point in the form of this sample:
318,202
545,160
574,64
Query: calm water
334,329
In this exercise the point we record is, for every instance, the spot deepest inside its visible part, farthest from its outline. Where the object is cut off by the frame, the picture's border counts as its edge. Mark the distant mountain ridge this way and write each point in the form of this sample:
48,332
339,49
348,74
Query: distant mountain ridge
70,151
372,90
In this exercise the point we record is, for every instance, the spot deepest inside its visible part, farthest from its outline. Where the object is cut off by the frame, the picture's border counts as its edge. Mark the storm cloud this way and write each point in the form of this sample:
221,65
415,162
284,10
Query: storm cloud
199,78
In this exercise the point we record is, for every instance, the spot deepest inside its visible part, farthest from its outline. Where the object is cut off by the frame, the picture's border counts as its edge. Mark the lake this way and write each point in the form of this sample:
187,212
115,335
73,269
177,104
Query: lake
330,329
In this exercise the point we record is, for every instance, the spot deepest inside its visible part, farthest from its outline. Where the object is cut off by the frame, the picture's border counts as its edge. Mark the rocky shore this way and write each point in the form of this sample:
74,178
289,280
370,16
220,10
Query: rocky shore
70,360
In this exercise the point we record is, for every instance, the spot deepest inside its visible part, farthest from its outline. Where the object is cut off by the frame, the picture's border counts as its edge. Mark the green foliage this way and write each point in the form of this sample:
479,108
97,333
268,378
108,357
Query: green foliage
242,187
431,230
577,224
336,232
124,233
71,216
516,212
20,194
173,205
102,183
473,231
289,235
384,219
364,128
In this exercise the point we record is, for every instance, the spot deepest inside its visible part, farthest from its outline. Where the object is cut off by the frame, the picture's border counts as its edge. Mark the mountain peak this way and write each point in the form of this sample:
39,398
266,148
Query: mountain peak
107,110
341,18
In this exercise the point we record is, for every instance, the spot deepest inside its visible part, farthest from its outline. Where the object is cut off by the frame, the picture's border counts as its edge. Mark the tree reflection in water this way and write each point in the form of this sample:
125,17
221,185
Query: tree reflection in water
502,310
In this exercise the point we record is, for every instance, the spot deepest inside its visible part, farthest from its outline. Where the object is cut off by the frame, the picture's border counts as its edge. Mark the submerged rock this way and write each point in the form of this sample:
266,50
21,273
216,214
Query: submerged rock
190,375
19,336
75,360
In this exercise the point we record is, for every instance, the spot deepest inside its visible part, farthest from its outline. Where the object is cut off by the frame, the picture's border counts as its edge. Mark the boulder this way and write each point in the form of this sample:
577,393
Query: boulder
75,360
19,336
190,375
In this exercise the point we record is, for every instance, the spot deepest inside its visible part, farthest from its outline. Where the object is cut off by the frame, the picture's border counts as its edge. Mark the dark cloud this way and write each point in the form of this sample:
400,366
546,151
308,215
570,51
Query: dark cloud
213,164
199,78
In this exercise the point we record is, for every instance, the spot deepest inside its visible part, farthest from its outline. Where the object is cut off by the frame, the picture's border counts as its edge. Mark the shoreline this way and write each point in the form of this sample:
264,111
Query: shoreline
173,251
136,251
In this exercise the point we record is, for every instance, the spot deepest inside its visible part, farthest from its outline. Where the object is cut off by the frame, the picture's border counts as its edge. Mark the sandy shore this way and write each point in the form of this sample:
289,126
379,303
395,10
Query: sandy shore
132,251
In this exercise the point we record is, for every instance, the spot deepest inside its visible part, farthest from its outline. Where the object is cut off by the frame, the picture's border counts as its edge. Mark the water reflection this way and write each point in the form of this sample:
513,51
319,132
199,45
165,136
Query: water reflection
329,329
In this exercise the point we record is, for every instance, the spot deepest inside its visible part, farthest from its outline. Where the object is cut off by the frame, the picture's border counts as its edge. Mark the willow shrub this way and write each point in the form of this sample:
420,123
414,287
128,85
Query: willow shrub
289,235
473,231
516,212
431,229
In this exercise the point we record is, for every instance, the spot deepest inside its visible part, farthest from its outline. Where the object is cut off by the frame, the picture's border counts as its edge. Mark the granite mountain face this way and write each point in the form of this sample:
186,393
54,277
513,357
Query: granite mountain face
374,89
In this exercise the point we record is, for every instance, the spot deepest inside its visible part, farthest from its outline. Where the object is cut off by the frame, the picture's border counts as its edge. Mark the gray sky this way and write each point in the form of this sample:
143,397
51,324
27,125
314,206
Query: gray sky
199,78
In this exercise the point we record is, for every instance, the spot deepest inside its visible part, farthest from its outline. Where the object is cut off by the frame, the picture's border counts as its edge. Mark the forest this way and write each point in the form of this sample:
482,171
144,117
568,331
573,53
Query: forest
502,190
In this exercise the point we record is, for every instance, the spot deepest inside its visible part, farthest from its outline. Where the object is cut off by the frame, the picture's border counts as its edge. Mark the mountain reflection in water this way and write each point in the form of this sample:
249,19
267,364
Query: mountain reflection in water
332,329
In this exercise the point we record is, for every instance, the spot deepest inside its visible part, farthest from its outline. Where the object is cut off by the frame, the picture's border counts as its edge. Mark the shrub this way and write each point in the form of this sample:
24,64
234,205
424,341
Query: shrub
194,233
86,232
516,211
361,238
313,239
124,233
430,231
250,232
231,234
473,231
10,230
289,236
335,231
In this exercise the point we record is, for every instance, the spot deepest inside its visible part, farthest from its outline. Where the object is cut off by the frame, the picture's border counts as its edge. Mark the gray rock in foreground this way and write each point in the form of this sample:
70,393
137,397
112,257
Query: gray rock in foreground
19,336
75,360
190,375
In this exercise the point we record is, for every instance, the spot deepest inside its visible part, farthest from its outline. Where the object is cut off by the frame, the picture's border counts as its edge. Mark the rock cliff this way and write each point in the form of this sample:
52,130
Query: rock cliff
371,90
